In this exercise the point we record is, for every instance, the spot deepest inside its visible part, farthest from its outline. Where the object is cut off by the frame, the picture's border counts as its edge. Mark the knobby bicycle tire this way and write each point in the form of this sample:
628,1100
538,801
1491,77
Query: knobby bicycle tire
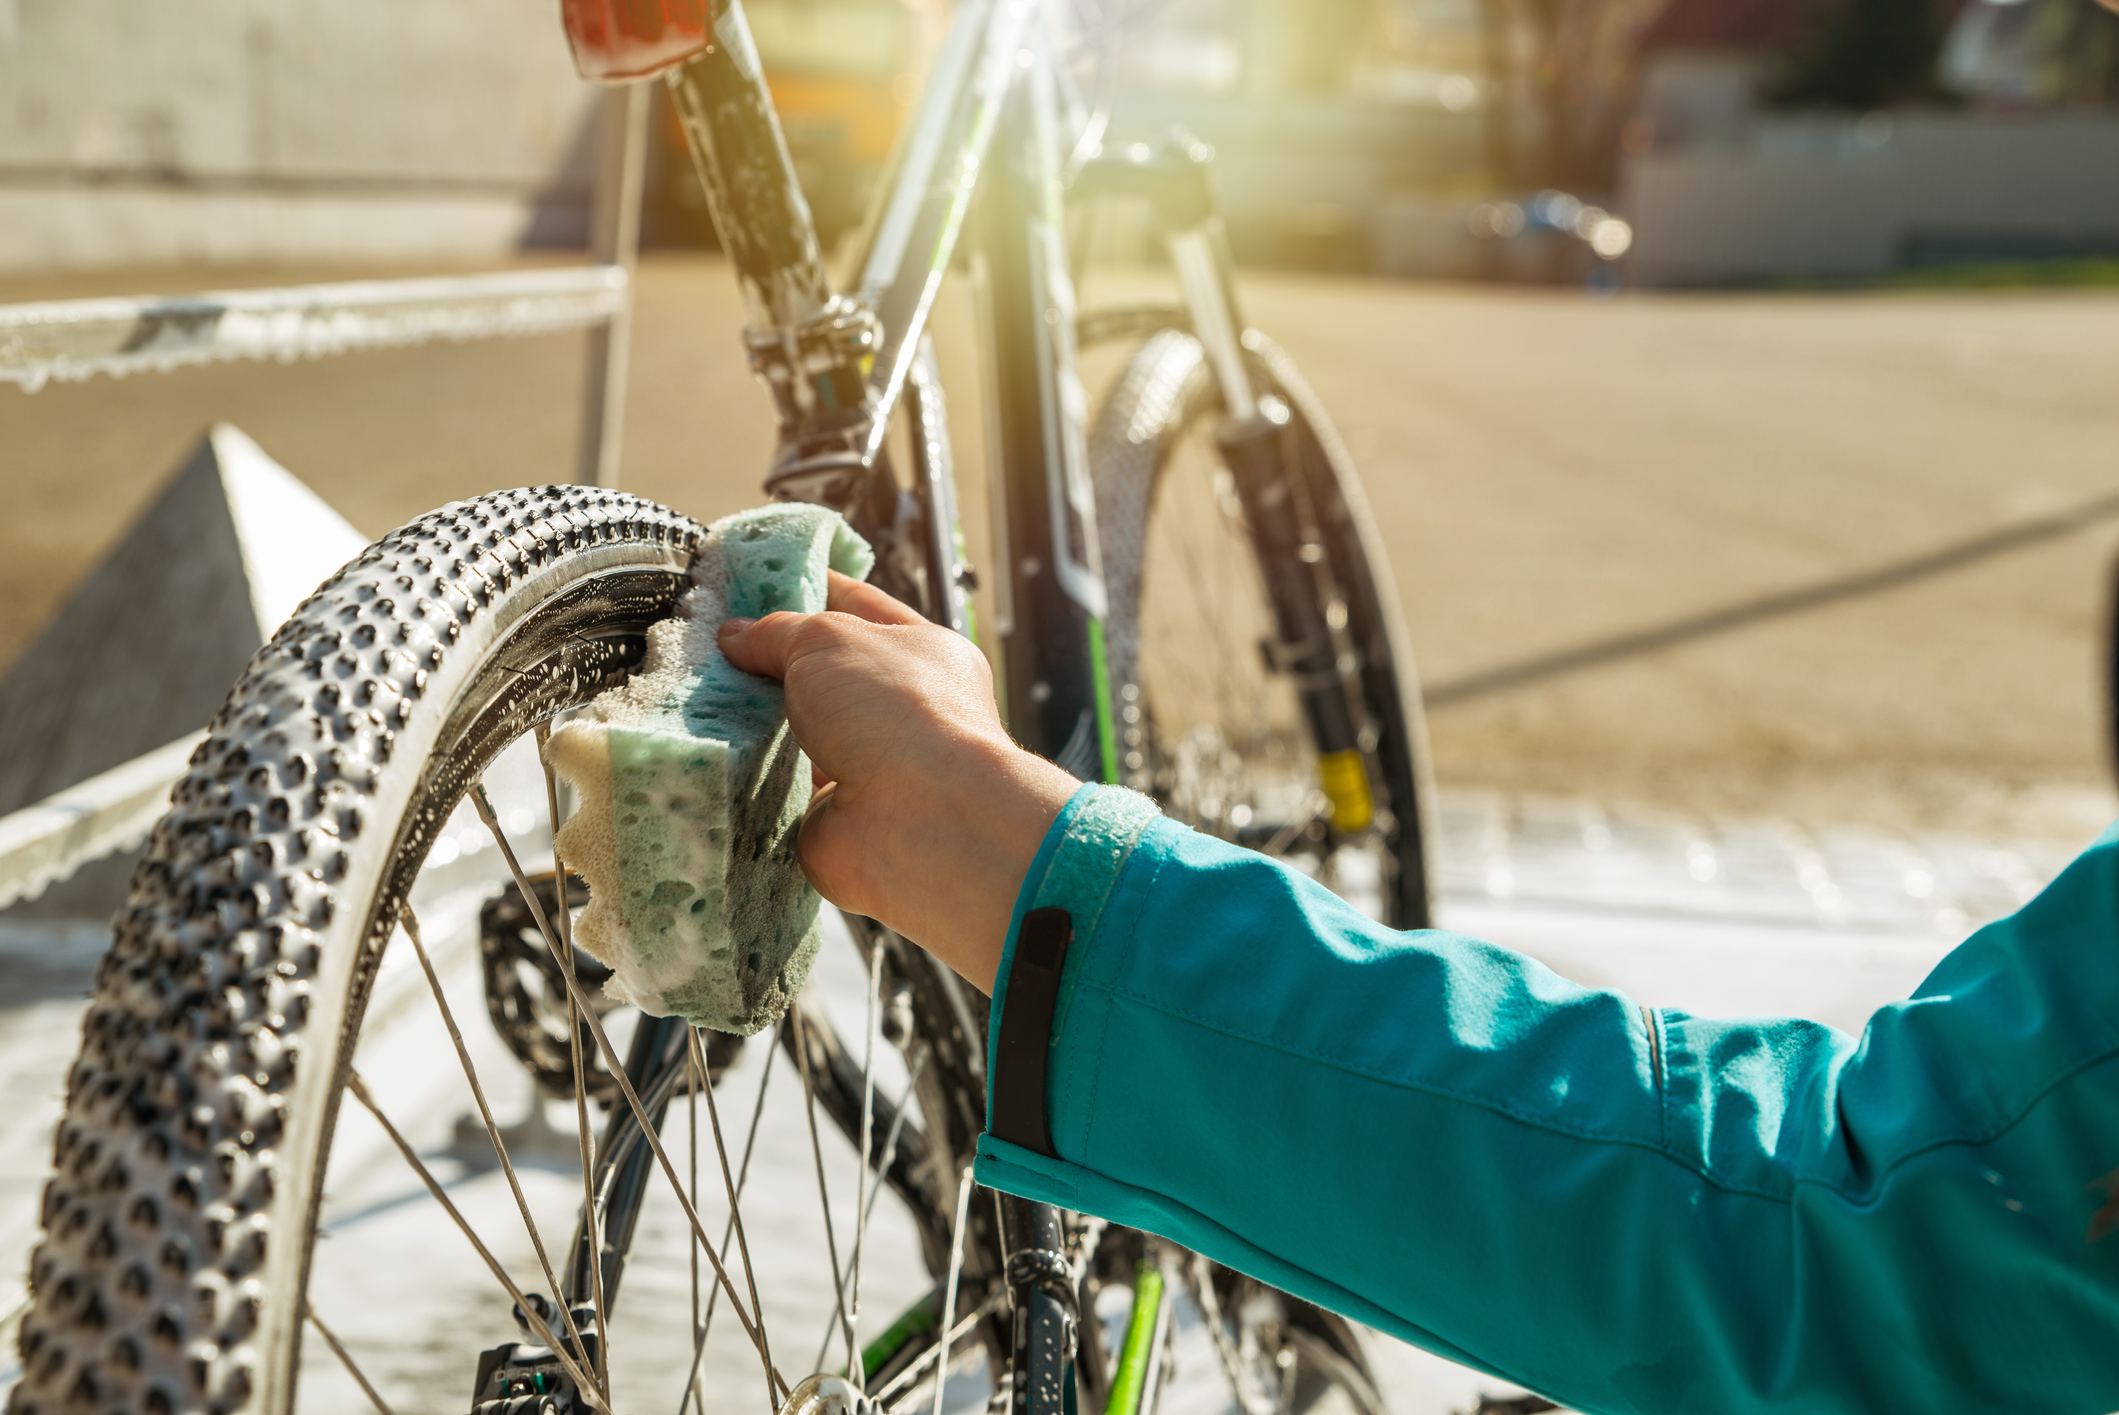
180,1225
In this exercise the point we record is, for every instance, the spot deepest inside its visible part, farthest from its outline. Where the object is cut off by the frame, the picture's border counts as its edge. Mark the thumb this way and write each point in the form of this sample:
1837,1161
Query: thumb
762,646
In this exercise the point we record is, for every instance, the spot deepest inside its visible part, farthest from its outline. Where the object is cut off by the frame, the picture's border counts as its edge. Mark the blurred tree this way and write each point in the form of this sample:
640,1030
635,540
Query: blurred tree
1864,54
2083,64
1496,24
1563,73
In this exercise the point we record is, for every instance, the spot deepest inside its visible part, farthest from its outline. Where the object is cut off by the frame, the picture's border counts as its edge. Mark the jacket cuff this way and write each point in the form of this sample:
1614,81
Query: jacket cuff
1076,868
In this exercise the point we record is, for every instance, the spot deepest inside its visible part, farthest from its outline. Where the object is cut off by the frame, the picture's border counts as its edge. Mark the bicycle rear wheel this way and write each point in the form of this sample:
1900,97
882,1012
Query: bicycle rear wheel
266,972
1211,723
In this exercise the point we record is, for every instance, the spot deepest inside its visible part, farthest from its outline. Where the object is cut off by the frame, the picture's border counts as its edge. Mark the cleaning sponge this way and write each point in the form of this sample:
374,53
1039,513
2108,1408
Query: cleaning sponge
691,791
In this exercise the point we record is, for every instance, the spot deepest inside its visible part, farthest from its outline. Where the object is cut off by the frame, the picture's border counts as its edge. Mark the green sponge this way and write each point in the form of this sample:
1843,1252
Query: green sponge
691,791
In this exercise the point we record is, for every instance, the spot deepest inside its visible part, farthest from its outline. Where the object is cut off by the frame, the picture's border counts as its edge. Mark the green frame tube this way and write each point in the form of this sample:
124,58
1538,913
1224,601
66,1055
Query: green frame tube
1131,1376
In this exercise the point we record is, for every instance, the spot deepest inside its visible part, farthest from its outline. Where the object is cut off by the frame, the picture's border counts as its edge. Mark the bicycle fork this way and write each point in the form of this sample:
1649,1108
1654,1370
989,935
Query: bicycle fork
1257,441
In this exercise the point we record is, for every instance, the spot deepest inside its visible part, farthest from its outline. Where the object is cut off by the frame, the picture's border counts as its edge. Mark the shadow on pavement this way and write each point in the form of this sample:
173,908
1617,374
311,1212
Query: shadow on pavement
1893,576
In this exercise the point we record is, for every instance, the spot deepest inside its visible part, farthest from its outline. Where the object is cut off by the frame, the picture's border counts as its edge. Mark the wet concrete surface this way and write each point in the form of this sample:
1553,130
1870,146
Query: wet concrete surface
1718,916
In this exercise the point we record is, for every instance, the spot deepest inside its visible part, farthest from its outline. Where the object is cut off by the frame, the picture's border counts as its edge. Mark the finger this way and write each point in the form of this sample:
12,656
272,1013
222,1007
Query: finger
847,595
762,646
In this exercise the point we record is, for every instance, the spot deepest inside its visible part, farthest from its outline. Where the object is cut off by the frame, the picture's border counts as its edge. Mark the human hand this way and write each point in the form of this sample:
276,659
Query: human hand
928,814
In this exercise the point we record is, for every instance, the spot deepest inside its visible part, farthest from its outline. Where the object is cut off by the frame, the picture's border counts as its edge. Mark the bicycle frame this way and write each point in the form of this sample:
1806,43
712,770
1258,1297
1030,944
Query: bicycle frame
984,142
987,153
984,139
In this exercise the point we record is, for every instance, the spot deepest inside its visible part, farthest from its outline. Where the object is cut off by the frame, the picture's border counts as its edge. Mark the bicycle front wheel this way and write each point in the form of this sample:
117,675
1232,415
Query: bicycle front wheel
260,1025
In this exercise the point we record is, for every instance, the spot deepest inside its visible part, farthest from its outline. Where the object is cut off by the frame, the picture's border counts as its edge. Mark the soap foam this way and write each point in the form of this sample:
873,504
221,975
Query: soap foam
691,791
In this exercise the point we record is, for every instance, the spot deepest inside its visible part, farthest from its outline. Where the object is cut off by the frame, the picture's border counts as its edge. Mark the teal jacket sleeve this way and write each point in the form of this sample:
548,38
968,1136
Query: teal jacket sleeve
1629,1210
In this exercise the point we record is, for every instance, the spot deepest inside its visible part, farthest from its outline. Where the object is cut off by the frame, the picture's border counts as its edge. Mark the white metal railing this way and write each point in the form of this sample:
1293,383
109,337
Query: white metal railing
43,844
77,339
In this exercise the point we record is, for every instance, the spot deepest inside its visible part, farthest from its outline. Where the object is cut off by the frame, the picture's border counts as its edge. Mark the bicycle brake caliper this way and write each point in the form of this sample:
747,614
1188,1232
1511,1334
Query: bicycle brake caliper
522,1378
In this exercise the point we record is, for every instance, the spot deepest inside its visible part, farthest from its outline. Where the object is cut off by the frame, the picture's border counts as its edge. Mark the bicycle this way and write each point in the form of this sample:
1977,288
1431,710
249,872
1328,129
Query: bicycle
1192,601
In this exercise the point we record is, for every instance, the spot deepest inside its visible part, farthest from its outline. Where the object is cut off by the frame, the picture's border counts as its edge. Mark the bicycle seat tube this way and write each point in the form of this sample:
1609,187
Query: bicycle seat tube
811,348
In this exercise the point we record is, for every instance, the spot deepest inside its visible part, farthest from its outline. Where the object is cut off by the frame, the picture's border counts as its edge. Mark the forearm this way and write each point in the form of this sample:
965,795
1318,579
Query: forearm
944,867
1632,1211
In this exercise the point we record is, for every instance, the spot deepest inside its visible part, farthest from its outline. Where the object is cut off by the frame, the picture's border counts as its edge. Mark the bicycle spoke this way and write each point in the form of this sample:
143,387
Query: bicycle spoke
345,1358
897,1127
734,1226
591,1214
1208,610
1222,727
1205,611
1159,1340
359,1090
692,1069
735,1207
919,1365
956,1270
831,1242
1251,1397
890,1153
409,922
868,1121
611,1059
551,805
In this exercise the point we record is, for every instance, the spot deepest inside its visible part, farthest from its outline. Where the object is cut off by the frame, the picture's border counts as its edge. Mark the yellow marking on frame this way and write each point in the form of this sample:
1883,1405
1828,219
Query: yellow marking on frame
1345,778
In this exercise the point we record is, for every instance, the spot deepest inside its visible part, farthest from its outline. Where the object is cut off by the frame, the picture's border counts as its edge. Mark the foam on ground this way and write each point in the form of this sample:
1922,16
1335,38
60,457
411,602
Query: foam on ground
691,791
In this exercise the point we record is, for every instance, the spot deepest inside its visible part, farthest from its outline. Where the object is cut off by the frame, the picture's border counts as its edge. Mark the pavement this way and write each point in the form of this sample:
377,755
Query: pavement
1718,916
1838,558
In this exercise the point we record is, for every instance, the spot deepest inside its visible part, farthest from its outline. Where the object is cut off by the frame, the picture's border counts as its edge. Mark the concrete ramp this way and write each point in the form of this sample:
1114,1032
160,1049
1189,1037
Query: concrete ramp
147,647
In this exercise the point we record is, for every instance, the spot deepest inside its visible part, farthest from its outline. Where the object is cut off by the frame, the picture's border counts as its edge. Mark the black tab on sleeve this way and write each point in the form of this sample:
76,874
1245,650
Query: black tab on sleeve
1026,1030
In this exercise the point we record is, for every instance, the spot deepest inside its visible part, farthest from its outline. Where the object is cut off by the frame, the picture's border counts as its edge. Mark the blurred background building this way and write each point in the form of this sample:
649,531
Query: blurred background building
1735,140
226,131
1848,138
235,130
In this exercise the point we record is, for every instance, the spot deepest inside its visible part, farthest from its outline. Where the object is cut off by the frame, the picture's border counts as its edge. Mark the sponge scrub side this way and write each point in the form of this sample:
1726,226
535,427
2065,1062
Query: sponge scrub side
691,791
